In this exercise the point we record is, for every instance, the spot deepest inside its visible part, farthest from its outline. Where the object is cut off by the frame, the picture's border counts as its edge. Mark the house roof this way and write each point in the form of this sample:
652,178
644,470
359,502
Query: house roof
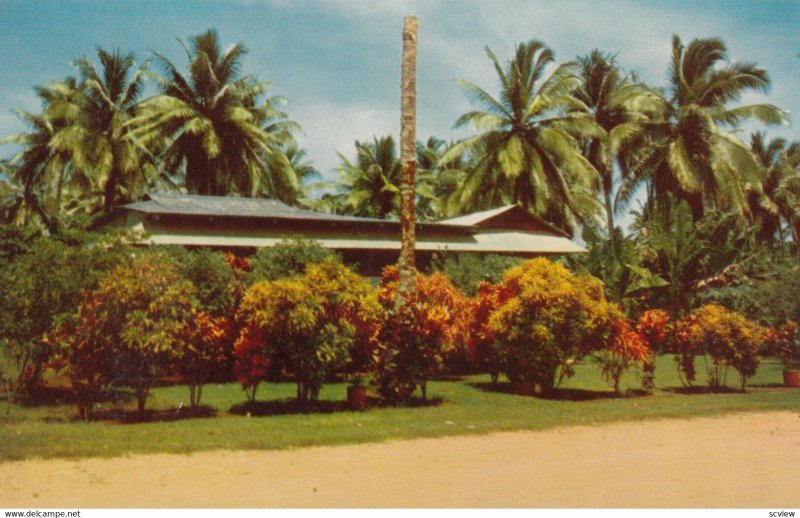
477,217
192,220
507,217
229,206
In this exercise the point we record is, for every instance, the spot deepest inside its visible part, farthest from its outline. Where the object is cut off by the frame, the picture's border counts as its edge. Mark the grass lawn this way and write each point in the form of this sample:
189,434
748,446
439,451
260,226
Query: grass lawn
463,406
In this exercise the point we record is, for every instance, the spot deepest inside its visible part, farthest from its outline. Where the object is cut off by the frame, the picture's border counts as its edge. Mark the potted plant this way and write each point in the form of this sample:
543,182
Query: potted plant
357,393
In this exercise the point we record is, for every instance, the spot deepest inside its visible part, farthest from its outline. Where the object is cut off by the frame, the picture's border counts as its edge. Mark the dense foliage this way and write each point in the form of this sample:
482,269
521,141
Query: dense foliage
549,320
571,142
126,329
39,280
468,271
286,259
308,326
417,339
727,337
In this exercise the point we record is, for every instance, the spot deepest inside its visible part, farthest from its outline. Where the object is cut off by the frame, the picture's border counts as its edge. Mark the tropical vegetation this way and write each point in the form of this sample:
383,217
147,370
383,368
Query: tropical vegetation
707,272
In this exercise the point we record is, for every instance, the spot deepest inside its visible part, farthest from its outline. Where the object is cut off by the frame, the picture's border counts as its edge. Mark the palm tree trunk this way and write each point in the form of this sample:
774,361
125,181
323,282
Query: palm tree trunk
606,181
408,109
111,185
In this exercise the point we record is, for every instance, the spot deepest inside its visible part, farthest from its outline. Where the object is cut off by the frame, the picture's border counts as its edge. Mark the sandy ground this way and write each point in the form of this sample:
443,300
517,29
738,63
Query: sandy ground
739,461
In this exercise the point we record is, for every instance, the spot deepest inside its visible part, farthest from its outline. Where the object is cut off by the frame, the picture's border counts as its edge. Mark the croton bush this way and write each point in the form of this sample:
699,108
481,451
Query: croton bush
416,339
625,348
784,342
548,319
308,327
125,330
482,348
727,337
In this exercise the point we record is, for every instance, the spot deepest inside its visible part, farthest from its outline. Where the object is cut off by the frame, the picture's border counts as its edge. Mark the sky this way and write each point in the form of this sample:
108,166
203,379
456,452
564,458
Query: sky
337,62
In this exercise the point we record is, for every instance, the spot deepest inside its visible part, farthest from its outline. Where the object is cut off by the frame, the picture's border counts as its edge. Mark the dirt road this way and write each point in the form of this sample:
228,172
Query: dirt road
742,460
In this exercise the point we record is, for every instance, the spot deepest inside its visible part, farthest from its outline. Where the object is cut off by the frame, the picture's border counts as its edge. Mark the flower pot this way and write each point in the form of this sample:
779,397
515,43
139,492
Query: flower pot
791,378
524,388
357,397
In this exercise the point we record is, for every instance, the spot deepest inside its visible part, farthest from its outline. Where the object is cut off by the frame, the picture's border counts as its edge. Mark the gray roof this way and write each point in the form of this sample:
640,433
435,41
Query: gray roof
236,215
229,206
477,217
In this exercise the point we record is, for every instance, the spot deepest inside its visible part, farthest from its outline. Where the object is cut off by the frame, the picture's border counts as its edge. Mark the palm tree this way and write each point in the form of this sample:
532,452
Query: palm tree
689,151
303,169
780,197
528,141
618,103
39,173
369,186
213,127
97,137
437,181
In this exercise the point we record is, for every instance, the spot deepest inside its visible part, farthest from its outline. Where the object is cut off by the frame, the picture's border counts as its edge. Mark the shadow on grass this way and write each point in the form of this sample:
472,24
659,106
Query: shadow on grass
288,407
414,402
558,394
293,407
45,396
448,377
124,416
59,396
702,390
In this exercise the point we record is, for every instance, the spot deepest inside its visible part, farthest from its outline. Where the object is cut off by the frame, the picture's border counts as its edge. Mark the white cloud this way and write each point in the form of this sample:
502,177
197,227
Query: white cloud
370,10
333,127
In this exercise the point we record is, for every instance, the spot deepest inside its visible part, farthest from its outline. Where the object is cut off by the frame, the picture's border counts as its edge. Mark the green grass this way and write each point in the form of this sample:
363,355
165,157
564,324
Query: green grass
464,406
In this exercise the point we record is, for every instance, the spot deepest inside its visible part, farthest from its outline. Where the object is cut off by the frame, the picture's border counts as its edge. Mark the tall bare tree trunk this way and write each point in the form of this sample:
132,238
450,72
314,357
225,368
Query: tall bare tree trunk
408,116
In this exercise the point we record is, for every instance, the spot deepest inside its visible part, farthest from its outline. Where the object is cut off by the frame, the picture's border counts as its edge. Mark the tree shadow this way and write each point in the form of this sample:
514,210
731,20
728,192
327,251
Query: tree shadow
294,407
558,394
702,390
767,385
124,416
414,402
501,387
288,407
44,396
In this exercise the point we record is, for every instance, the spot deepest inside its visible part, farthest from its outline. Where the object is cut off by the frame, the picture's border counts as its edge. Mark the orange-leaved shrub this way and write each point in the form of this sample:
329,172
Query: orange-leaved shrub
727,337
653,325
125,330
625,347
415,340
482,351
201,346
784,343
550,319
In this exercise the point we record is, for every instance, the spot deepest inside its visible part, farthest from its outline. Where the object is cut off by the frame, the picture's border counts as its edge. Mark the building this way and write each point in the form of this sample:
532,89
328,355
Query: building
245,224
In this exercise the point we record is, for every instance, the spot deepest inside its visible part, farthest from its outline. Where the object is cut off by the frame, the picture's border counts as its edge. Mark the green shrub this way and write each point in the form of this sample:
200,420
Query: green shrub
308,326
212,276
769,298
467,271
43,280
287,259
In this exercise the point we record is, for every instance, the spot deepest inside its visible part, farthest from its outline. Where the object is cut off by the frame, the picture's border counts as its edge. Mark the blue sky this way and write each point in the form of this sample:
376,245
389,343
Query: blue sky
338,62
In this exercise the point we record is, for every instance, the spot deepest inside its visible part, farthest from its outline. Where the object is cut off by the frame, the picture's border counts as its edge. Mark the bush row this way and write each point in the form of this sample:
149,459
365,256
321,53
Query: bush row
296,311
